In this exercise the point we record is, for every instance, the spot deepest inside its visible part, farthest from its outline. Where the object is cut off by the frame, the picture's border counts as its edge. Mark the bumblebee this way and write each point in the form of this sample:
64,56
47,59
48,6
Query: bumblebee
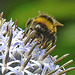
45,27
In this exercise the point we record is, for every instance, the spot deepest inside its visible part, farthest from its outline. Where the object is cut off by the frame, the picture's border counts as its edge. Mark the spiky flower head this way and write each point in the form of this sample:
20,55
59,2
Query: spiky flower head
22,57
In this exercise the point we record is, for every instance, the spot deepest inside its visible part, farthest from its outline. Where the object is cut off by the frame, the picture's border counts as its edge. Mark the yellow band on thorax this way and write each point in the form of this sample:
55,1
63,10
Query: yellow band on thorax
44,21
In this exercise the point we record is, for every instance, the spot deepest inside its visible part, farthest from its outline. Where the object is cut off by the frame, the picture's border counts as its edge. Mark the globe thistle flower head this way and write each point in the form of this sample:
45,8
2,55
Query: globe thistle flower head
24,56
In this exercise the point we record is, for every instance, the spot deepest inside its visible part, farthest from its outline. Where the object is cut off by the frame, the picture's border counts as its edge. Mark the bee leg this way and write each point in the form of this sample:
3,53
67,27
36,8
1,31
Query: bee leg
30,30
32,40
27,32
27,28
28,23
53,41
41,41
44,44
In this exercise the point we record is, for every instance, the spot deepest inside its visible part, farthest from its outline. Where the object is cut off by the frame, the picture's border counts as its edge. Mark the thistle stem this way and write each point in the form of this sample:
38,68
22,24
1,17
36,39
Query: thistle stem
61,67
15,25
32,48
65,71
25,63
48,53
50,45
7,52
64,56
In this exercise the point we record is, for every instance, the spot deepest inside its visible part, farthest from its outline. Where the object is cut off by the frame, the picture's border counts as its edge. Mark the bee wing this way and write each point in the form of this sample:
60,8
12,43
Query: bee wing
40,13
56,23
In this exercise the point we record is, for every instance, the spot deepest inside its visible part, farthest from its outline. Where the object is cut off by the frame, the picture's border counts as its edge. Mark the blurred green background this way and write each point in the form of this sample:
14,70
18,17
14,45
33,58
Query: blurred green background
62,10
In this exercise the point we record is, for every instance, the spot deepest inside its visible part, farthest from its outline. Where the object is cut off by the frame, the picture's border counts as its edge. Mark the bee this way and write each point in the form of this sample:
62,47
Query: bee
45,27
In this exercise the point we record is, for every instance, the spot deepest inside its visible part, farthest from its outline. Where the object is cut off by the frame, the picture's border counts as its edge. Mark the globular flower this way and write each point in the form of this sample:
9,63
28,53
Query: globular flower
18,57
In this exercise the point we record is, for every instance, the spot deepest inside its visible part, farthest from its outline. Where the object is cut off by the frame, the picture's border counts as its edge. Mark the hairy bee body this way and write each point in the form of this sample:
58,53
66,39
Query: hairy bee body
45,27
